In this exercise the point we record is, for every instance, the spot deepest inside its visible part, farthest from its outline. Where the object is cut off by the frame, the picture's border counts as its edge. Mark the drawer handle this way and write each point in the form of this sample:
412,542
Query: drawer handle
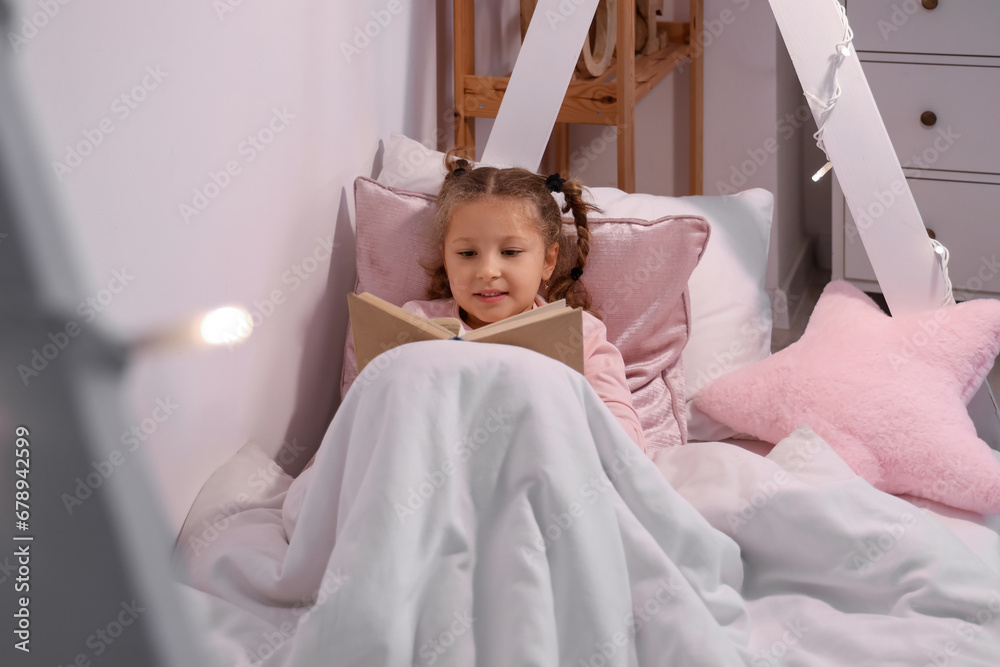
928,118
930,233
929,4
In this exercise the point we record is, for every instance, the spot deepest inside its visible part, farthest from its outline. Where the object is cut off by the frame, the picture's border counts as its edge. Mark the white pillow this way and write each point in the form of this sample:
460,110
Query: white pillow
409,165
730,309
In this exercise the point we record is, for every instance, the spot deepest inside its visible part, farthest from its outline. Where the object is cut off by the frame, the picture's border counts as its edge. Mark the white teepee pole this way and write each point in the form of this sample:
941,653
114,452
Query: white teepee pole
538,83
877,193
858,145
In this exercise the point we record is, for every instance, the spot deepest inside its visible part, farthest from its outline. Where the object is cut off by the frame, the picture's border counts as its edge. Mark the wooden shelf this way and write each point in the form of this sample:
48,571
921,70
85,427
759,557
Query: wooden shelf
606,100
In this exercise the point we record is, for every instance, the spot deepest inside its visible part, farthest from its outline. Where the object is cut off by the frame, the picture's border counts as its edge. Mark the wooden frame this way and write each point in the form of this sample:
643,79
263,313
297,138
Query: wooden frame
606,100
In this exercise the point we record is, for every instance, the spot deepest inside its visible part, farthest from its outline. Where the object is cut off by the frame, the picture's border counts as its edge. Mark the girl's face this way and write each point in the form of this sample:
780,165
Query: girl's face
495,259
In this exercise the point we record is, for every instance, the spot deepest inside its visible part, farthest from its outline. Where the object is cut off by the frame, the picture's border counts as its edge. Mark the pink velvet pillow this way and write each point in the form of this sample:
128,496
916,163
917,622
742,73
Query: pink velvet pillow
637,273
888,394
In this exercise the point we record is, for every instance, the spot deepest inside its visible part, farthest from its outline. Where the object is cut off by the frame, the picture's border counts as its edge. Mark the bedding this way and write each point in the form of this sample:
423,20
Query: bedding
730,328
479,504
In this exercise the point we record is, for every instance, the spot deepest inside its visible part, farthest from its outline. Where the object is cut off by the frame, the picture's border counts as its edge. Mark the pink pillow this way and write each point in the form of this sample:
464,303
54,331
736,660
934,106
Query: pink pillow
636,273
887,393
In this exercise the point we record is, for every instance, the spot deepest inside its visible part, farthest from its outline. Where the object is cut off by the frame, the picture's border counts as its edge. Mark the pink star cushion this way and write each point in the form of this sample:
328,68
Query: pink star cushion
887,393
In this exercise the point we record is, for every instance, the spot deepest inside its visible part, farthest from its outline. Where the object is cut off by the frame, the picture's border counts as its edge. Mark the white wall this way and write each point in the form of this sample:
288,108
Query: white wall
756,119
222,77
223,74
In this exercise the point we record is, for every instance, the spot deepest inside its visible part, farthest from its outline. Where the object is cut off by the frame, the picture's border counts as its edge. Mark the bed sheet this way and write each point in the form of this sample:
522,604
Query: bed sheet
981,534
478,504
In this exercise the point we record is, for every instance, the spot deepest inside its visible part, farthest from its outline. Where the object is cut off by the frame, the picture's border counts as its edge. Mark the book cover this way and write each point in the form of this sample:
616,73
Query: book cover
555,330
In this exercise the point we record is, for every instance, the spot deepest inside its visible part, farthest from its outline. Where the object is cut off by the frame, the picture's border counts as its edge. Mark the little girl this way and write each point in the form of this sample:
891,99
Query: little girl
498,233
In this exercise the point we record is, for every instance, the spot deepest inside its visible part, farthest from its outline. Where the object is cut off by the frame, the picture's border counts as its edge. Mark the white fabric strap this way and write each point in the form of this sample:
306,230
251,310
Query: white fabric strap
538,83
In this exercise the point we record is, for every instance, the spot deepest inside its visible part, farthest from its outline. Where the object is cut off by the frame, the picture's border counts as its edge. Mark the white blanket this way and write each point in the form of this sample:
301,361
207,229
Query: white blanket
479,504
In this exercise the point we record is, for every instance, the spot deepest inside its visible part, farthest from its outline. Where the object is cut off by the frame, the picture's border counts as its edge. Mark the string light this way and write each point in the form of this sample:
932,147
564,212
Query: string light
229,324
843,51
942,255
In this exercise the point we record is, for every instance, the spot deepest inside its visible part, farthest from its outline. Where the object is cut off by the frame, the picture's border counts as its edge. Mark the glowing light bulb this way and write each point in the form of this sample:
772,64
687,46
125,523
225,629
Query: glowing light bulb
226,325
819,174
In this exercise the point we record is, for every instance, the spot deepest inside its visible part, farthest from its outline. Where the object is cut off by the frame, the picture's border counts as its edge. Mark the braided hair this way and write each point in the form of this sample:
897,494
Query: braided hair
464,184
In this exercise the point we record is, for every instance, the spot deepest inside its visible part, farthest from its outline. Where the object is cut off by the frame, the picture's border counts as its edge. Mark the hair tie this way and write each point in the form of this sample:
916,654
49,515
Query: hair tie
456,172
554,183
575,273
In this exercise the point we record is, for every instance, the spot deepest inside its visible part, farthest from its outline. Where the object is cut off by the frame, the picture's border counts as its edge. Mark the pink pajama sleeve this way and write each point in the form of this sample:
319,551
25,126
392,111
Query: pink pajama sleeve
605,371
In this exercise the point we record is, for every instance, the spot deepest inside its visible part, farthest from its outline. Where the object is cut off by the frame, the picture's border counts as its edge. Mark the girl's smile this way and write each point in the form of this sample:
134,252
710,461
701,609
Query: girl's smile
490,297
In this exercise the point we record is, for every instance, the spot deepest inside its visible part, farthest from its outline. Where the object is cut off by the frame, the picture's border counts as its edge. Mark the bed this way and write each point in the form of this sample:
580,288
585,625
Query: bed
552,540
479,504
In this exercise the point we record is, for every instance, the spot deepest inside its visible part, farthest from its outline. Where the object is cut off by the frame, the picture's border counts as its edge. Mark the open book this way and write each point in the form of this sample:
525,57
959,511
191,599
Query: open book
555,329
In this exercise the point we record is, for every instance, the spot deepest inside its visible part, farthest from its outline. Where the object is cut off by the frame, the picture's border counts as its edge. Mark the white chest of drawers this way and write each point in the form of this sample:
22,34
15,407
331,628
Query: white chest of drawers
934,69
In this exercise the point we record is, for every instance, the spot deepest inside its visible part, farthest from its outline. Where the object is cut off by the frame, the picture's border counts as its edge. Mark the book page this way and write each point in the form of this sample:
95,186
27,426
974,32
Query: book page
559,336
541,311
450,323
429,325
517,321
